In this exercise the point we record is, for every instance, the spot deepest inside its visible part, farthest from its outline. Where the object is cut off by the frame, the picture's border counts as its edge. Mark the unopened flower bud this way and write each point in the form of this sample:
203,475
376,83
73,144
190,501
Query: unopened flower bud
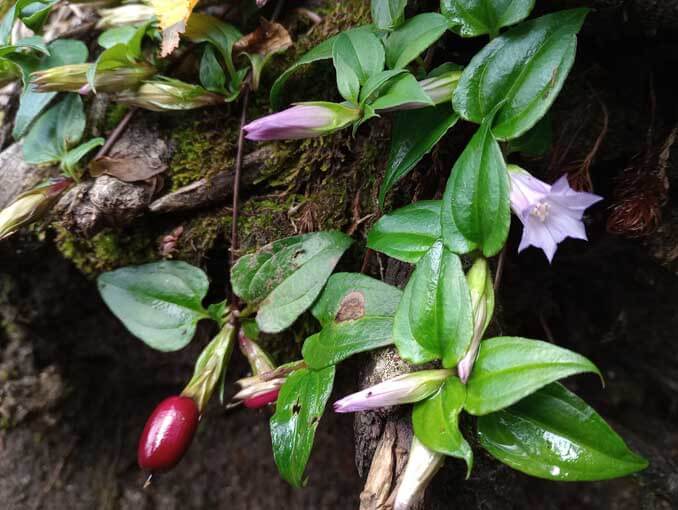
422,465
257,357
123,15
73,78
166,94
404,389
304,120
30,206
262,399
479,279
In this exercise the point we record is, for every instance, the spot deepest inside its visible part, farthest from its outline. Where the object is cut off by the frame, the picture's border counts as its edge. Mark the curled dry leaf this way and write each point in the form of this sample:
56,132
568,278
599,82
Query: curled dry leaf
269,37
127,169
172,16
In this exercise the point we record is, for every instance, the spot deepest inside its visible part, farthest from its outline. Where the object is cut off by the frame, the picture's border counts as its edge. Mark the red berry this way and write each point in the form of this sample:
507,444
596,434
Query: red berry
262,399
168,434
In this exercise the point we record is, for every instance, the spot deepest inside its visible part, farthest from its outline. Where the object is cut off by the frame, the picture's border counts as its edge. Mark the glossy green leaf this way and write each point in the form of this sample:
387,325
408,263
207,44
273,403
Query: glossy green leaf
32,103
55,132
408,348
436,422
414,134
519,72
160,303
534,142
470,18
440,313
300,406
356,313
476,206
511,368
357,56
402,90
411,39
554,434
285,277
376,83
388,14
407,233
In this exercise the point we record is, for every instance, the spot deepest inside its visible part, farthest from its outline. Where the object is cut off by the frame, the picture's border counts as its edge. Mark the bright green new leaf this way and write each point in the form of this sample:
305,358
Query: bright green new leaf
300,406
285,277
160,302
402,90
408,348
388,14
356,313
411,39
440,312
476,205
407,233
470,18
511,368
375,84
520,73
554,434
70,160
436,422
357,56
414,134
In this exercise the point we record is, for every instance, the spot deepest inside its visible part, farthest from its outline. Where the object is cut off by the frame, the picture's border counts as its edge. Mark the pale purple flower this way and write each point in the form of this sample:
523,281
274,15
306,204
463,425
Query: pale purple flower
403,389
304,120
549,214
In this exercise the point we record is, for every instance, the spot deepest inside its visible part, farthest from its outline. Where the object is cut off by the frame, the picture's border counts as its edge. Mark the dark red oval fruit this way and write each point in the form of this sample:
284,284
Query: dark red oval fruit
168,434
262,399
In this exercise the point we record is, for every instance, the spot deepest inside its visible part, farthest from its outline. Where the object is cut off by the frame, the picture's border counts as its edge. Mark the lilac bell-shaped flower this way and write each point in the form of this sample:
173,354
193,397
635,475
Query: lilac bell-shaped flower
404,389
303,120
549,214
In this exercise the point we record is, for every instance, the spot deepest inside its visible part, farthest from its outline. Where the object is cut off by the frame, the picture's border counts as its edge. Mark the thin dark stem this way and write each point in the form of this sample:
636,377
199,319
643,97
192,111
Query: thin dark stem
115,134
278,9
236,184
500,269
366,259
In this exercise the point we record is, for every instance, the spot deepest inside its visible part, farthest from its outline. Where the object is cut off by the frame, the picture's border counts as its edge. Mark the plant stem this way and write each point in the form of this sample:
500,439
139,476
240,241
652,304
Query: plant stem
115,134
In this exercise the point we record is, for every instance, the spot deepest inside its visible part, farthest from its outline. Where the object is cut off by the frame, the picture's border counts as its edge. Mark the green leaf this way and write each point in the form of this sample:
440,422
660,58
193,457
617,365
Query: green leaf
298,411
116,35
356,313
388,14
407,233
160,303
70,160
34,14
476,205
440,313
470,18
285,277
30,43
436,422
403,90
211,74
322,51
376,83
554,434
408,348
510,368
32,103
411,39
536,141
205,28
357,56
58,129
521,72
414,134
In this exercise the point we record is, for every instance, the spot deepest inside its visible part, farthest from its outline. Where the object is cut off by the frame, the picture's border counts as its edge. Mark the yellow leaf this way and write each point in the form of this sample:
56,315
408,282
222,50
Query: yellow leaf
172,15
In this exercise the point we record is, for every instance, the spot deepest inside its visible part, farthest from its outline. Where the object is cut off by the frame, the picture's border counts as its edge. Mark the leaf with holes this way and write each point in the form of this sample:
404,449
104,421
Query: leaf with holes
356,313
470,18
511,368
300,406
520,72
436,422
439,316
284,278
476,207
407,233
554,434
160,303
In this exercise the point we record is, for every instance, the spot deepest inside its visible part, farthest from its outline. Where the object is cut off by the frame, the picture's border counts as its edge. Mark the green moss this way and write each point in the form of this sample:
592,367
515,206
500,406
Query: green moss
106,250
114,114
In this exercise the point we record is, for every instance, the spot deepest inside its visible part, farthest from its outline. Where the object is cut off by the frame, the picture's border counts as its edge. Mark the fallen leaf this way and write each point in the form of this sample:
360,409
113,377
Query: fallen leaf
269,37
172,16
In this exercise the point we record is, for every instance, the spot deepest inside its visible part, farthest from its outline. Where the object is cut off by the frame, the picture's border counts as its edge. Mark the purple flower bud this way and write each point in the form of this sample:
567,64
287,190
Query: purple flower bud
549,214
422,465
304,120
257,357
403,389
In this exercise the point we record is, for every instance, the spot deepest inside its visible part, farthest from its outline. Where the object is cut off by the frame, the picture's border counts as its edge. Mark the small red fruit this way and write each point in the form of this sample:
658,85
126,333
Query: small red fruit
262,399
168,434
